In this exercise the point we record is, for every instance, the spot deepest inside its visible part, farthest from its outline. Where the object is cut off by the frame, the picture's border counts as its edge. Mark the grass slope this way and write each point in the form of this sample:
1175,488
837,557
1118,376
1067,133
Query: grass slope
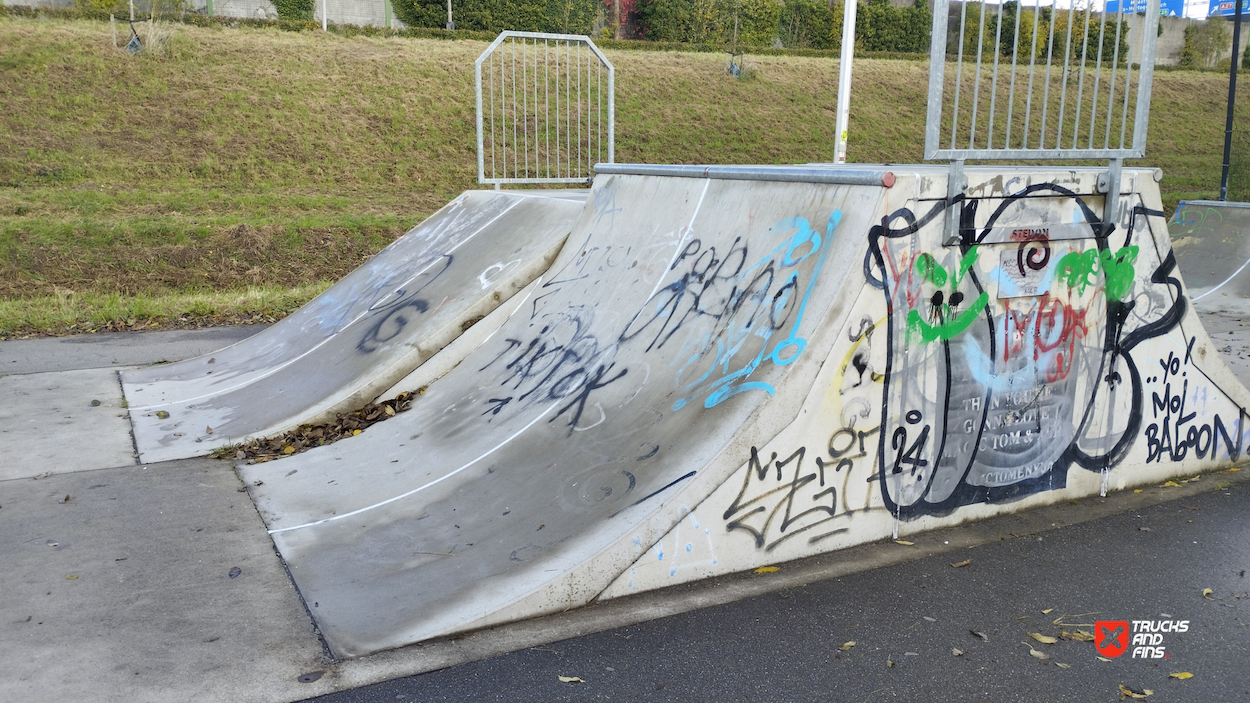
244,169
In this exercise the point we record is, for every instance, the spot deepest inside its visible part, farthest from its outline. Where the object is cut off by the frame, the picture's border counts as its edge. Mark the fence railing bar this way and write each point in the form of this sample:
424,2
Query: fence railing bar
1067,72
547,105
1015,56
959,71
998,40
1115,65
976,85
1093,108
1128,82
1050,62
1080,91
579,109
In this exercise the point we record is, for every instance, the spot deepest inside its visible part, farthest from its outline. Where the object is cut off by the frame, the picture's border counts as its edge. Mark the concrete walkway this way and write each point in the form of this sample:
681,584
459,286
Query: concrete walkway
157,582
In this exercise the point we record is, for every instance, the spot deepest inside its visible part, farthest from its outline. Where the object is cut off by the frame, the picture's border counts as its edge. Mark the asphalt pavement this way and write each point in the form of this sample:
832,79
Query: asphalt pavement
913,627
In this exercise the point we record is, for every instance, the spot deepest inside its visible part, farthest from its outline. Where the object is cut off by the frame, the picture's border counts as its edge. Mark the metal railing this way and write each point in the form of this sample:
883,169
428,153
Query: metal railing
545,109
1041,80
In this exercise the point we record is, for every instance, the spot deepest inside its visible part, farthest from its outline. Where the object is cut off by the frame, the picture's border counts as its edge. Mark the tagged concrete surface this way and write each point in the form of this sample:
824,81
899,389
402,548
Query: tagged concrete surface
725,372
1039,359
124,593
679,309
48,423
359,337
1212,244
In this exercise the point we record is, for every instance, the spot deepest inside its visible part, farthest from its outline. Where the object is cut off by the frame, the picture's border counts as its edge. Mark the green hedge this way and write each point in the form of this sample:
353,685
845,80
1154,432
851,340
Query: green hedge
799,24
494,16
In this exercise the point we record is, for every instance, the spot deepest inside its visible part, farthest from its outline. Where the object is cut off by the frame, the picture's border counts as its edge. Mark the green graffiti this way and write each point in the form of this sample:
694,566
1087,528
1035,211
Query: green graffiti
931,271
1079,270
916,326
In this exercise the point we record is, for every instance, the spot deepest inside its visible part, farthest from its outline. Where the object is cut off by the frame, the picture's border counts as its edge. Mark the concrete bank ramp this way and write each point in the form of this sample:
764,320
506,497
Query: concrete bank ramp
1212,244
730,367
360,337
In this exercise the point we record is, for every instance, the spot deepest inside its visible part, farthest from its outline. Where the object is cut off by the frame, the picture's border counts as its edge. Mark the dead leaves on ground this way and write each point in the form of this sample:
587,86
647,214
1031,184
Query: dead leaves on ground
306,437
959,564
570,679
1126,692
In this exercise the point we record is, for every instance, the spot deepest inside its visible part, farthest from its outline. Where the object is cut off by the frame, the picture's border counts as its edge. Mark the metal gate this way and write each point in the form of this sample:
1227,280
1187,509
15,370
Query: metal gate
1040,81
545,109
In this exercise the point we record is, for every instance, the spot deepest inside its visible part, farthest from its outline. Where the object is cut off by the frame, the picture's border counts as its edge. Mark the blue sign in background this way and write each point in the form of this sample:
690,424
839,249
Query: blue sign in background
1167,8
1228,8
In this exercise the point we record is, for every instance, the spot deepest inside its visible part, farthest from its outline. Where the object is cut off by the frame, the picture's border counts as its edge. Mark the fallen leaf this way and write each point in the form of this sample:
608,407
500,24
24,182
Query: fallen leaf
1063,666
904,542
911,654
889,663
291,472
1035,653
1126,692
1137,490
355,432
570,679
1170,484
1044,639
1182,675
930,619
389,410
161,414
957,652
1047,611
982,635
1079,636
71,577
846,646
1230,470
95,403
288,449
42,475
1104,659
1207,593
762,569
958,564
208,430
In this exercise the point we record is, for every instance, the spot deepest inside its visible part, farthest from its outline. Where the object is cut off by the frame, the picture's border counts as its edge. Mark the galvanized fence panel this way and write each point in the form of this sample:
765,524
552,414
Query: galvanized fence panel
545,109
1039,80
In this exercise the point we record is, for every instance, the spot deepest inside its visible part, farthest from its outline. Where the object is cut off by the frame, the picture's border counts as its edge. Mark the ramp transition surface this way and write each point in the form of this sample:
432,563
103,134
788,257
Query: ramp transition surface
362,335
1212,244
733,367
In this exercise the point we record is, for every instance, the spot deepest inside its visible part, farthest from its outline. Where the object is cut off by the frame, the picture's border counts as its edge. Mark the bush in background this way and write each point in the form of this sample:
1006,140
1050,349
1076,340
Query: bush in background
294,9
565,16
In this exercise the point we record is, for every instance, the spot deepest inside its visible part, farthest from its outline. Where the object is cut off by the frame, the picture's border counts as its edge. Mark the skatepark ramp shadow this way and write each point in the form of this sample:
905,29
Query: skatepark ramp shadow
727,367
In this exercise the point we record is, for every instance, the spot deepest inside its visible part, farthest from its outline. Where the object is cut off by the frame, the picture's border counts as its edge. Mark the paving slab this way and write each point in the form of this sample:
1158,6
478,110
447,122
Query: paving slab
48,423
87,351
150,583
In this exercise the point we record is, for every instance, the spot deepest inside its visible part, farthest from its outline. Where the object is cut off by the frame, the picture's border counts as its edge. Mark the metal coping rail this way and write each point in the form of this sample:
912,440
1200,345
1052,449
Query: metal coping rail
790,174
1211,203
545,121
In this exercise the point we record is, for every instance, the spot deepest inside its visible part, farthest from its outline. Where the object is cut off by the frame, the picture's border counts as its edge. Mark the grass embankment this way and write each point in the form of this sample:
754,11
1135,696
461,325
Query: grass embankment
243,170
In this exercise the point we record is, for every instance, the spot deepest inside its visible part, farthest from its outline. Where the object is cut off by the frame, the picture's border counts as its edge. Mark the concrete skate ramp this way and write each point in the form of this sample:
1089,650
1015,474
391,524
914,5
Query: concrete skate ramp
362,335
1212,244
679,309
729,367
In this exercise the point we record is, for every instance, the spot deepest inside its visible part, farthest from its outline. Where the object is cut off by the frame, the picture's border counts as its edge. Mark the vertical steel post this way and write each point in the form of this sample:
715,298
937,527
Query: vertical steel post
1232,101
844,79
